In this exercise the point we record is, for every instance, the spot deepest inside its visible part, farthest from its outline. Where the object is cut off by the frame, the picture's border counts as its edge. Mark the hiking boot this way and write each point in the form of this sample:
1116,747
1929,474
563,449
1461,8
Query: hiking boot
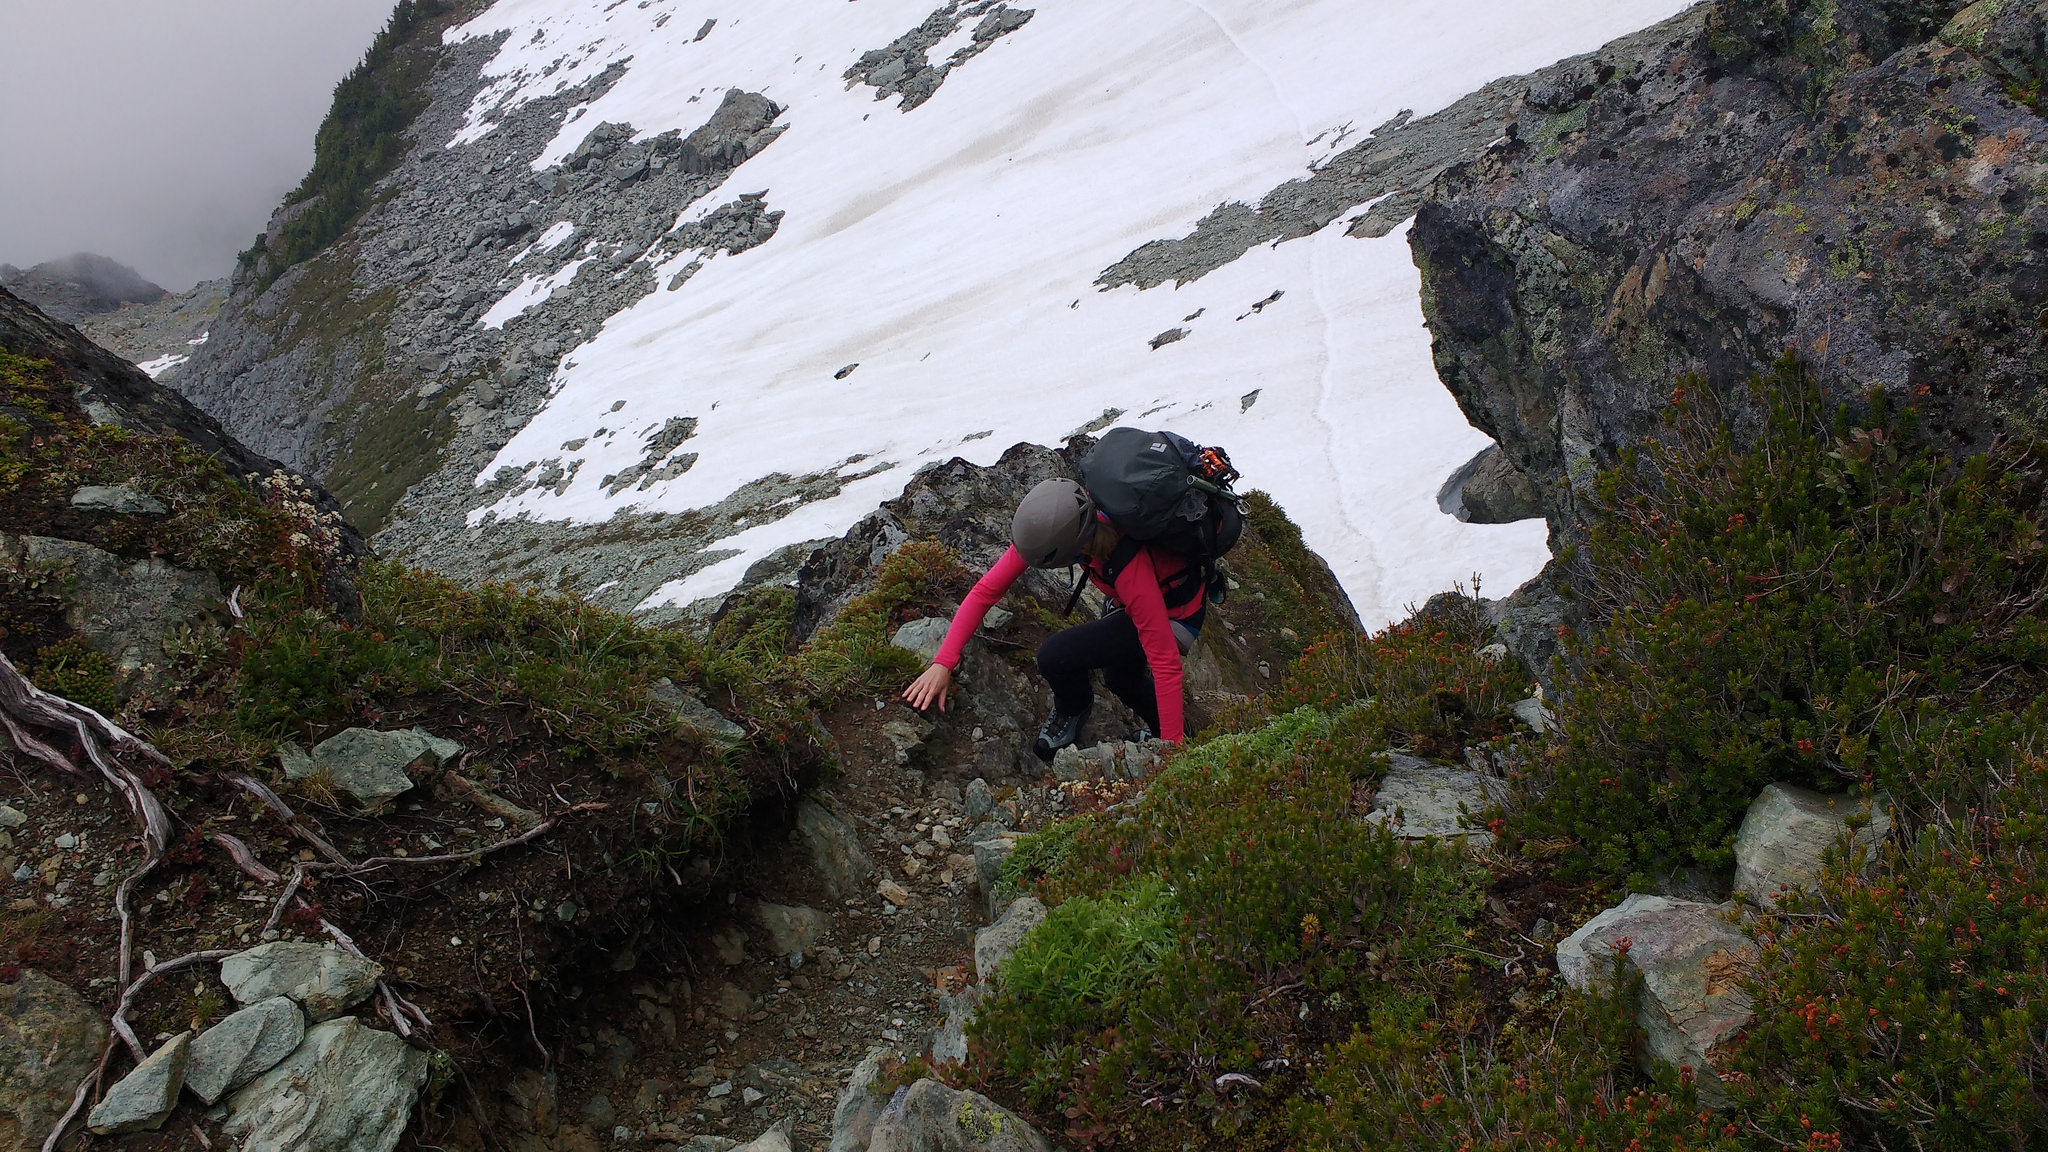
1061,729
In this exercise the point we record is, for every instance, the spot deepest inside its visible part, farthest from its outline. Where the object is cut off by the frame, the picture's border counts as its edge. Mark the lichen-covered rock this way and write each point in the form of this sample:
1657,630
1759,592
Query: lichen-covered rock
369,765
1418,799
142,1098
1787,829
121,499
244,1046
1692,962
930,1117
322,978
1817,177
998,942
122,610
49,1041
348,1088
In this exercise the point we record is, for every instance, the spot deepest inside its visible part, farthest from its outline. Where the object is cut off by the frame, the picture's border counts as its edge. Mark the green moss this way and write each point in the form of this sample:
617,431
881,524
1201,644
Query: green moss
70,669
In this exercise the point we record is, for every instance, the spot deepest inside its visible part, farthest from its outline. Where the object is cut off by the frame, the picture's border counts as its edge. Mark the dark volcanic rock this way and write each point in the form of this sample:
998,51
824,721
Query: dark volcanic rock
1868,198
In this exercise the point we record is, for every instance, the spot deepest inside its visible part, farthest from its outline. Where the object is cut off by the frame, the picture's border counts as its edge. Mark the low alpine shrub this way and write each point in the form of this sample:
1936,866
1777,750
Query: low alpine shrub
1827,605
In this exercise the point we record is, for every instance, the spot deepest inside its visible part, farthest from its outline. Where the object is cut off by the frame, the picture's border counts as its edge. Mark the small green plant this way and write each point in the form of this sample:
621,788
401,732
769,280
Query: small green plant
70,669
852,653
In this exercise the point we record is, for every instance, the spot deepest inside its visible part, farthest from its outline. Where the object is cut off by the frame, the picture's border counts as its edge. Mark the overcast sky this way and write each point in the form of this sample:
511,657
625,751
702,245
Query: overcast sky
162,132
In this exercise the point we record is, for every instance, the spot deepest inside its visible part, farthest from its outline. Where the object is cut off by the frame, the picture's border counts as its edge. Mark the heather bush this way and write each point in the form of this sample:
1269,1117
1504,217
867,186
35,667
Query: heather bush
1907,1005
1828,605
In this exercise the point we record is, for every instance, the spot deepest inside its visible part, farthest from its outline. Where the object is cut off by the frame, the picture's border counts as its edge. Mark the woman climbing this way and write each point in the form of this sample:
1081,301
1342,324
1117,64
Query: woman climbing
1157,601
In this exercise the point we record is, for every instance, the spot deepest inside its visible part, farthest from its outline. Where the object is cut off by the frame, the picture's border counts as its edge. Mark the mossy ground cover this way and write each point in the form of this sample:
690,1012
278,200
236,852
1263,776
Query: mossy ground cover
1235,961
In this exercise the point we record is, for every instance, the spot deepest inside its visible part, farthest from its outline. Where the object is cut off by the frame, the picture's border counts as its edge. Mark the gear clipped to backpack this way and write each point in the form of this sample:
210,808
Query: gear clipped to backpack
1162,489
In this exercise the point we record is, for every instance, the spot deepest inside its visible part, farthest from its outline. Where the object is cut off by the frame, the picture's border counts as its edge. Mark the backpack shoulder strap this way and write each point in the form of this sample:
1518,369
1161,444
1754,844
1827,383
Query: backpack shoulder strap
1126,550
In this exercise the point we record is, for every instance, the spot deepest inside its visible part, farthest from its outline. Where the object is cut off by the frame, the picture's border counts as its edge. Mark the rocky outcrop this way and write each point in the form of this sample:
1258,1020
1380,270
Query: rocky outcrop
1788,829
49,1041
124,611
1827,178
1692,963
79,285
1489,489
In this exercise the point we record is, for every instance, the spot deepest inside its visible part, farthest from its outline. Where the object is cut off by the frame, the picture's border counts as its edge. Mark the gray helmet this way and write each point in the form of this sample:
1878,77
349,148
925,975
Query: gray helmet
1052,523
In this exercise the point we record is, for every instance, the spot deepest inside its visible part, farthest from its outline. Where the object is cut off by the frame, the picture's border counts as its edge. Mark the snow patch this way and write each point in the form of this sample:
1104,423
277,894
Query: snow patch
951,252
531,292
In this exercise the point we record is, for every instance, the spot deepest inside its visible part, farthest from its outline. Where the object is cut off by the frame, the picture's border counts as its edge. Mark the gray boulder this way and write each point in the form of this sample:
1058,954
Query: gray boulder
930,1117
370,766
1418,799
145,1096
243,1046
49,1041
853,1120
1692,962
793,929
841,862
691,709
322,978
1779,847
119,498
989,856
999,941
1489,489
924,636
979,800
348,1088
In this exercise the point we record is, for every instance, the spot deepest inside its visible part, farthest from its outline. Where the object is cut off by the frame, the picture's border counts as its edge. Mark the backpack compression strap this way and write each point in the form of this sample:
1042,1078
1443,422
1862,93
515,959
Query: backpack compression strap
1184,586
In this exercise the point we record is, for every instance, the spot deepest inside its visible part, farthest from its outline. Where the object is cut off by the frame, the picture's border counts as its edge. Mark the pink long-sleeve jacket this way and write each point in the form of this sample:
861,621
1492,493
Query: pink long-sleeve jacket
1137,588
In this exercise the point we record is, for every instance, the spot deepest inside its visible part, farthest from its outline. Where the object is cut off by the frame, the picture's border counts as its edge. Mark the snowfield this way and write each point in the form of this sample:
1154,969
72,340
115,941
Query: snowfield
950,252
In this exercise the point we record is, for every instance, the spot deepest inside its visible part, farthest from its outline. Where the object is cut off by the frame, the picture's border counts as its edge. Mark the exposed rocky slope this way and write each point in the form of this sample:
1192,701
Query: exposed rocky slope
1859,183
162,335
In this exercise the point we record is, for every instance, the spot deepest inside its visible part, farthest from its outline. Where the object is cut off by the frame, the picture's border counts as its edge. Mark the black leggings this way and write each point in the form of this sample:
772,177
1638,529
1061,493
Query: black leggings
1111,644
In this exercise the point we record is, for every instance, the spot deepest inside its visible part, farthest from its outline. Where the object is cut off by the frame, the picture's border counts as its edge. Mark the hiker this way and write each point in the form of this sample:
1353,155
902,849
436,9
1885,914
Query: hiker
1138,642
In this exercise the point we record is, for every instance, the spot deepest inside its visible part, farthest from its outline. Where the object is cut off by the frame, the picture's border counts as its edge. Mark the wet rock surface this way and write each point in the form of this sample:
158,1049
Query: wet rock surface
1747,186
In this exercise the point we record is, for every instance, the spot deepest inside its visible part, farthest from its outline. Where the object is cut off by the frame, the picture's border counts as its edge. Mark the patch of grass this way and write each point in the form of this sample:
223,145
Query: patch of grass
1278,573
1239,888
852,653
